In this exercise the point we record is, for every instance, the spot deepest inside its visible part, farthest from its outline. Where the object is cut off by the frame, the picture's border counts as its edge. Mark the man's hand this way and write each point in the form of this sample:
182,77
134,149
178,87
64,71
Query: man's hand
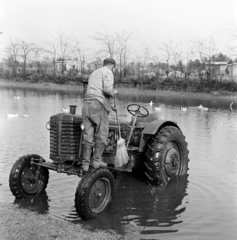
113,108
116,92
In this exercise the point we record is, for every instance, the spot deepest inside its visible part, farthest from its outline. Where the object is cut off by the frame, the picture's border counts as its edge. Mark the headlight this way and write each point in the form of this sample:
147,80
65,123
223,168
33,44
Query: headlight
48,125
82,126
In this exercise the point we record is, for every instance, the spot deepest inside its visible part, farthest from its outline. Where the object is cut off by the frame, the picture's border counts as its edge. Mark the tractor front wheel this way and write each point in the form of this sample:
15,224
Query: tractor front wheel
26,180
166,156
94,193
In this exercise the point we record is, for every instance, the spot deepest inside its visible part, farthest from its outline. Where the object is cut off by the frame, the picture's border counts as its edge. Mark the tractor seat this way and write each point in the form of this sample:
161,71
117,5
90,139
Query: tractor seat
143,121
113,121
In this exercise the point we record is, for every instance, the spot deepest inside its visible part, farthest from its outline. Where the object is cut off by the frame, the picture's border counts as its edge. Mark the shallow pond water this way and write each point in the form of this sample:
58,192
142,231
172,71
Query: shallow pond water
201,206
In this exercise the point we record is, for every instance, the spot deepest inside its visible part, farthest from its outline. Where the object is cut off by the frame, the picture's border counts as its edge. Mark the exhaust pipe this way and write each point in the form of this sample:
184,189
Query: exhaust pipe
73,109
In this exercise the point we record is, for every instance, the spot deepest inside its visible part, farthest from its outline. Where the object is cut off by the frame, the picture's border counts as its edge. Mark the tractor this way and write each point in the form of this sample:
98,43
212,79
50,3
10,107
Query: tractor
156,148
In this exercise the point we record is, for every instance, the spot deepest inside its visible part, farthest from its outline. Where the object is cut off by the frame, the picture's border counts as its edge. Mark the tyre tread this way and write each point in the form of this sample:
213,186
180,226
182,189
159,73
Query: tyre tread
156,143
15,175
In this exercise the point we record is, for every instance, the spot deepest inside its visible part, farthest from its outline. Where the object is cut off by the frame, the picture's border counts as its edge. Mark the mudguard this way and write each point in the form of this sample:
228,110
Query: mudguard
152,128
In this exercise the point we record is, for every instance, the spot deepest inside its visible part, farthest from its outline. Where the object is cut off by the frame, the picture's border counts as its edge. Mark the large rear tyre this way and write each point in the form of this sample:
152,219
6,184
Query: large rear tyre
94,193
26,180
166,156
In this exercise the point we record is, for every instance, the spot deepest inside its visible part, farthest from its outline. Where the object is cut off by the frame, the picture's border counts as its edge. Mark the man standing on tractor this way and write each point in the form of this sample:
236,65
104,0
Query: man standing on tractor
95,113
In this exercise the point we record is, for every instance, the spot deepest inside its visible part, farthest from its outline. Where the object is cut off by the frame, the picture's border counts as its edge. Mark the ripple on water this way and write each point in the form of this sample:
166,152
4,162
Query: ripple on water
204,208
208,211
138,207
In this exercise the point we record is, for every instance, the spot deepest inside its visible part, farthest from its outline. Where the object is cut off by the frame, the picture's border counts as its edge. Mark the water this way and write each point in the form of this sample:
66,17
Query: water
203,206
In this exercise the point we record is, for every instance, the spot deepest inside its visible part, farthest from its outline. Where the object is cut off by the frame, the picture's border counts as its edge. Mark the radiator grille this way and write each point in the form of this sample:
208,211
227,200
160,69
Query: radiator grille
65,139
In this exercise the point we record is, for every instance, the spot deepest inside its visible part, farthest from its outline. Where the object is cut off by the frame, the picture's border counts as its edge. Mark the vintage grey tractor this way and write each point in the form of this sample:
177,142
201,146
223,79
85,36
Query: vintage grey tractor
156,149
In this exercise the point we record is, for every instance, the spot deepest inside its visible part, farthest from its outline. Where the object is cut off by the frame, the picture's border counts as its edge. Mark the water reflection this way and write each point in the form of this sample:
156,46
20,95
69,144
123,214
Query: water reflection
159,210
142,208
37,203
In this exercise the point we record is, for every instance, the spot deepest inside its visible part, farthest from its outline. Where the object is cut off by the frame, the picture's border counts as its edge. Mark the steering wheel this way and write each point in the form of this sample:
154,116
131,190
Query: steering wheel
137,112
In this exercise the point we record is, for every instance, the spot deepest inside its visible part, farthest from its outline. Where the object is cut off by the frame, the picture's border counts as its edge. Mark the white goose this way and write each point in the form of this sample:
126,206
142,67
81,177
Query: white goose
183,109
65,110
12,115
231,106
157,109
202,108
16,97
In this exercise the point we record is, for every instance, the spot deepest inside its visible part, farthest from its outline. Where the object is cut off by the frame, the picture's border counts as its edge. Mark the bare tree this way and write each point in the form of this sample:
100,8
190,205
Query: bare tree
79,54
145,55
178,59
124,49
38,51
108,42
25,49
205,48
233,32
65,52
189,56
52,49
12,54
46,62
168,50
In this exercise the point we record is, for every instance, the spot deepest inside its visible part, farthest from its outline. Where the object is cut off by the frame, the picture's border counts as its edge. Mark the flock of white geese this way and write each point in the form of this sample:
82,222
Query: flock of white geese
200,107
157,109
10,115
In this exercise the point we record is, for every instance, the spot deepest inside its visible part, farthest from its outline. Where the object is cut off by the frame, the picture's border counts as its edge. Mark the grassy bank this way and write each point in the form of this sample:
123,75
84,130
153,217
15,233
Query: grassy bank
141,82
17,223
221,94
42,85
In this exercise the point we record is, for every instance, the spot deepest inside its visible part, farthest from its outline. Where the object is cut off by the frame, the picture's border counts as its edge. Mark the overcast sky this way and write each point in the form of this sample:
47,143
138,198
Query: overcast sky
154,20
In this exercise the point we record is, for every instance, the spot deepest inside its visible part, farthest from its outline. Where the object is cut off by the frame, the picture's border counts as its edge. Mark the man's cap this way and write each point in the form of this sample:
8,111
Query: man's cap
109,60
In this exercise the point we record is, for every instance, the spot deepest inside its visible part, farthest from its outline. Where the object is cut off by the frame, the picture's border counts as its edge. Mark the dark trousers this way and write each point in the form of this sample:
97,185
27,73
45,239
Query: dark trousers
95,120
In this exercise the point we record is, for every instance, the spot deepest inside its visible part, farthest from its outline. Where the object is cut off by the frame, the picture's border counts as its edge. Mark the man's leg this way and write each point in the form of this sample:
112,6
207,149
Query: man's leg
88,135
100,118
87,150
97,156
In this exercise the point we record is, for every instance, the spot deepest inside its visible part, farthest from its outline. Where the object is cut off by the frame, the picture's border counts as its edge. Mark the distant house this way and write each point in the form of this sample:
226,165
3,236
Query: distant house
149,75
216,67
176,74
64,65
232,71
92,66
222,70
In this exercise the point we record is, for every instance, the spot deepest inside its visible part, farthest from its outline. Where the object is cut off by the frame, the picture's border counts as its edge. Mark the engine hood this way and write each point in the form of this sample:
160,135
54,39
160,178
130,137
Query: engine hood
67,117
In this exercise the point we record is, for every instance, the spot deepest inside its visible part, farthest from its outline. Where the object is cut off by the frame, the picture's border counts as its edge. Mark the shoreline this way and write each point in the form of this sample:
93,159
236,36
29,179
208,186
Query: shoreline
123,91
19,223
42,85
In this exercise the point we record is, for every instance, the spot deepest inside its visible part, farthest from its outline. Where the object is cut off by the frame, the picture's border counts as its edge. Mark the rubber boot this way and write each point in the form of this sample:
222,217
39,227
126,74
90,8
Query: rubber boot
98,151
87,150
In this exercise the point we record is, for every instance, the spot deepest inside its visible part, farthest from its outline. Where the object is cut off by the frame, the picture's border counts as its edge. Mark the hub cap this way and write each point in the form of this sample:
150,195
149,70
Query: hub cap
172,162
29,181
99,195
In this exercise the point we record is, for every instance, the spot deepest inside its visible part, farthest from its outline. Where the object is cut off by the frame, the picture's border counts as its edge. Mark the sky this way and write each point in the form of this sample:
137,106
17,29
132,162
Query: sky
154,21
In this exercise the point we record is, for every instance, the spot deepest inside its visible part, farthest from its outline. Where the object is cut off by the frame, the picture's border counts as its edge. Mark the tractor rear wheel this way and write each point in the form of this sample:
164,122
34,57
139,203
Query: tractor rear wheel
166,156
26,180
94,193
